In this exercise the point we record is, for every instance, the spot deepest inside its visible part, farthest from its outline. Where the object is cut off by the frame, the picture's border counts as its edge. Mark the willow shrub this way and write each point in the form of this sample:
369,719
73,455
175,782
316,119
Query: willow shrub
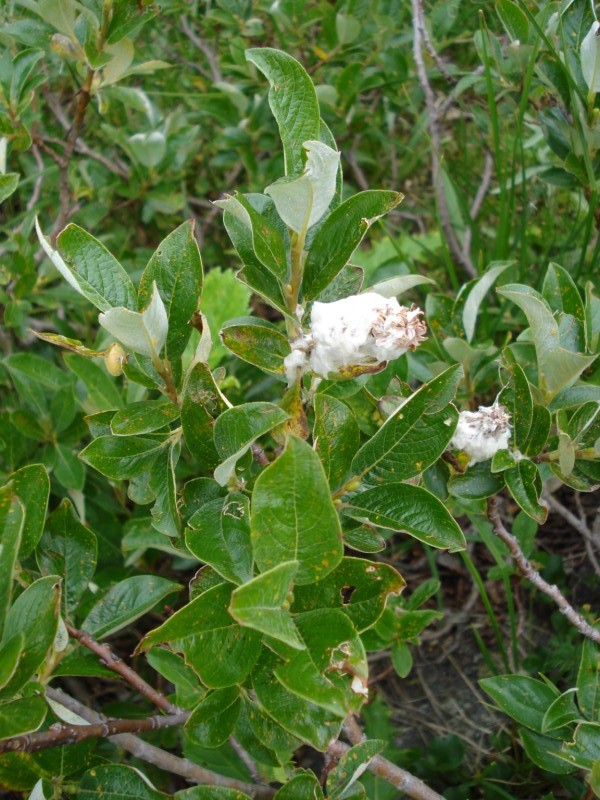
278,500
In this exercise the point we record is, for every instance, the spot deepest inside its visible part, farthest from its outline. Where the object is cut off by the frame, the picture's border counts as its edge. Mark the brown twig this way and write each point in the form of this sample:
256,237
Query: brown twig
60,734
482,190
110,660
532,575
259,455
37,189
64,193
591,536
113,164
419,38
159,758
198,42
395,776
435,55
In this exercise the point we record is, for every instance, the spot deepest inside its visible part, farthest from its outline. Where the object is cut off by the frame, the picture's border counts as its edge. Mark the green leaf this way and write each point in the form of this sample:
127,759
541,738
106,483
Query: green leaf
303,786
336,436
588,681
293,517
292,99
408,442
331,671
522,698
364,539
146,416
127,18
393,287
32,486
173,669
501,460
562,711
263,604
10,654
545,752
351,766
114,782
524,483
32,375
339,236
162,483
302,200
89,268
143,332
258,342
236,430
67,469
583,750
541,421
176,267
12,523
219,650
584,425
69,549
267,242
102,391
210,793
519,403
267,732
558,367
411,509
21,716
476,294
300,717
358,587
561,294
246,737
125,602
80,662
212,722
514,20
8,185
220,536
402,659
476,483
120,457
202,404
254,273
410,624
34,614
590,59
347,282
414,436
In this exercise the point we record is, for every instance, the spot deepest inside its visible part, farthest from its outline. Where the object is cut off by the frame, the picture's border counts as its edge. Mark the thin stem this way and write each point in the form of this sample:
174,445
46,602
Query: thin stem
532,575
419,38
154,755
64,193
163,367
60,734
108,659
395,776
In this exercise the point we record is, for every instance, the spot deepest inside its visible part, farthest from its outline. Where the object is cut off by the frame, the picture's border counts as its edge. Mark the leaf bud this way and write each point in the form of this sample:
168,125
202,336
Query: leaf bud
114,356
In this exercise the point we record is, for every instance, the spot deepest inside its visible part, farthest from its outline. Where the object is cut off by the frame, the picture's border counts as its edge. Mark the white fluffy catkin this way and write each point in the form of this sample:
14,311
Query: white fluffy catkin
480,434
358,334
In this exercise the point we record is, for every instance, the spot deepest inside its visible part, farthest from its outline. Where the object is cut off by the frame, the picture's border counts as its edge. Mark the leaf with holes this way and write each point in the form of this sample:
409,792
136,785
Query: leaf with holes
358,587
219,535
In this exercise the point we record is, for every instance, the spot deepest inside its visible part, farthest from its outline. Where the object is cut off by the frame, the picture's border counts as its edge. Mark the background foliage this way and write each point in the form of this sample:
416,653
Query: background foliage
129,120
